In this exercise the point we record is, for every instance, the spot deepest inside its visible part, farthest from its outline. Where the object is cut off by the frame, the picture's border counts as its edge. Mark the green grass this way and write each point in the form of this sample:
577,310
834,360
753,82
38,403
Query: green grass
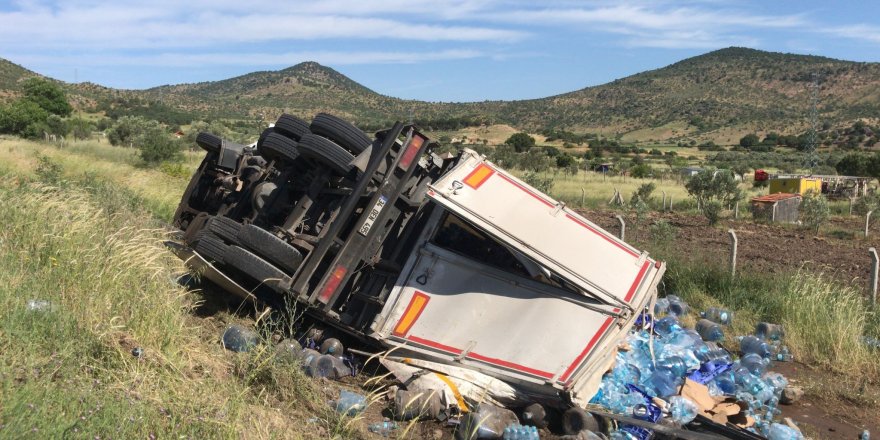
824,319
90,245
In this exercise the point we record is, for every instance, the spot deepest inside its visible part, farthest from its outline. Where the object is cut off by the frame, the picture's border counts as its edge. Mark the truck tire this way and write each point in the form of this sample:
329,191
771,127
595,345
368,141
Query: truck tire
209,142
225,228
326,152
211,247
270,247
255,267
291,126
343,133
263,136
575,420
279,148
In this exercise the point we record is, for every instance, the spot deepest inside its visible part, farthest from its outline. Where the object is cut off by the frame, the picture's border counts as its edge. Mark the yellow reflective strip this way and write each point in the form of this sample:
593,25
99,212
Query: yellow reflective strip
477,177
415,307
461,405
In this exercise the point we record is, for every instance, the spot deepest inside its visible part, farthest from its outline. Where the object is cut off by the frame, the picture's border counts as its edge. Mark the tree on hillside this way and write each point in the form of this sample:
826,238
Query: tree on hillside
749,140
156,145
49,96
855,164
24,118
127,129
520,142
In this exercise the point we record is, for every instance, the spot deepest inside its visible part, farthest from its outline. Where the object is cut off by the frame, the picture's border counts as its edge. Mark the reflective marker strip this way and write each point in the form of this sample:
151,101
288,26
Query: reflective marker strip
458,398
411,314
332,284
478,176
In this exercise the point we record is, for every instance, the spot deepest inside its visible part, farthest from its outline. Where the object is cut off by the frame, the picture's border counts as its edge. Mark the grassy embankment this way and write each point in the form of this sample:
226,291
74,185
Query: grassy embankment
81,230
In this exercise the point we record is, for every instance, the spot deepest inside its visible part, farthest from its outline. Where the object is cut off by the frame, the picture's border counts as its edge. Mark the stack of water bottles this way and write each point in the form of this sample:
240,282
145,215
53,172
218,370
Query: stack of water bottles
693,353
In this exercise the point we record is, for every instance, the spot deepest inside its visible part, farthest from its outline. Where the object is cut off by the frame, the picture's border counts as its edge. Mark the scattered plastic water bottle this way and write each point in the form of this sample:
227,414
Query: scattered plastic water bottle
754,363
682,410
239,338
520,432
751,344
717,314
667,326
779,431
383,428
661,306
709,330
665,383
677,307
332,346
770,332
39,305
350,403
784,355
865,435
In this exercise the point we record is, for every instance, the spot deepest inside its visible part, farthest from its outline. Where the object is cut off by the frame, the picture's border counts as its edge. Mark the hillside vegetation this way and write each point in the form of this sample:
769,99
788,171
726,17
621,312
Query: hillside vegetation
744,89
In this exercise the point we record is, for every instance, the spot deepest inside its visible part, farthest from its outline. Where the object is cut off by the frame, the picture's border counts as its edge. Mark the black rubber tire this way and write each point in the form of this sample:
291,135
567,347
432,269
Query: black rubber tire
326,152
342,132
211,248
278,147
270,247
209,142
255,267
263,136
575,420
291,126
225,228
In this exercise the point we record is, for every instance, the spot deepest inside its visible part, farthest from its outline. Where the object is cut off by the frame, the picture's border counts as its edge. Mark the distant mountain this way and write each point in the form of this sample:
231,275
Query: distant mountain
738,88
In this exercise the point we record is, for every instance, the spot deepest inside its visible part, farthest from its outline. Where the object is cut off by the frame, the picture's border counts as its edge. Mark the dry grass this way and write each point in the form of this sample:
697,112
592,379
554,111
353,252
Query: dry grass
91,249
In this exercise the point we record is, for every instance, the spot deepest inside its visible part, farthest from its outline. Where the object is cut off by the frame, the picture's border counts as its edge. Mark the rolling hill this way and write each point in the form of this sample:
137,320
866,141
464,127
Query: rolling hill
735,88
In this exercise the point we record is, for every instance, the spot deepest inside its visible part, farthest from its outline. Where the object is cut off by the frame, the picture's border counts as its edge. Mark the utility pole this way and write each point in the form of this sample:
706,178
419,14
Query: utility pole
811,156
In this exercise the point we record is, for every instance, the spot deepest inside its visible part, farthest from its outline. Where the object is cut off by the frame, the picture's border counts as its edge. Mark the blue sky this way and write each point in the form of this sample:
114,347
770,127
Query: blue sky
435,50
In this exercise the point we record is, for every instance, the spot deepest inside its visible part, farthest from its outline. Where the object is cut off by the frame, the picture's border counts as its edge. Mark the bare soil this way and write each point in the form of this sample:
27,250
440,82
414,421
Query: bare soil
767,248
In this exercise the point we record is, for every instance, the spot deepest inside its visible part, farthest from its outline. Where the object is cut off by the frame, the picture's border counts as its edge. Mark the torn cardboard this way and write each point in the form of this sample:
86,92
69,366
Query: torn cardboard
721,410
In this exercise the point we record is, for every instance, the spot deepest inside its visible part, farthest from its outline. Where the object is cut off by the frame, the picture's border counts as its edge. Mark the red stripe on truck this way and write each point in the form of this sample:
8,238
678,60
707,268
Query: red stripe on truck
587,349
638,280
607,238
482,358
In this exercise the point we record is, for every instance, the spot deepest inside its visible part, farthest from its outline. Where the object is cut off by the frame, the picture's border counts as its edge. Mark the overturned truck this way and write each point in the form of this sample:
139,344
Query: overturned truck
447,259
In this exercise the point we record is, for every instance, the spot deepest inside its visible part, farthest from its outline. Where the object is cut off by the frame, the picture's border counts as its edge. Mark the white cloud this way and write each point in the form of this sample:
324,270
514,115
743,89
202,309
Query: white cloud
90,24
856,32
178,59
657,26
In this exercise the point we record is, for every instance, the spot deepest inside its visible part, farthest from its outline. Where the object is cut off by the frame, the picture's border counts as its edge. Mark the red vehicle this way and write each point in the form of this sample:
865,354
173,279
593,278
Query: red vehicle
761,175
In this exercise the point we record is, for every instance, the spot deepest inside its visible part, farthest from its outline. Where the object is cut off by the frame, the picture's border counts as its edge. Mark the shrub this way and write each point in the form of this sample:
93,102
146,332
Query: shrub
662,232
712,211
157,146
814,211
543,184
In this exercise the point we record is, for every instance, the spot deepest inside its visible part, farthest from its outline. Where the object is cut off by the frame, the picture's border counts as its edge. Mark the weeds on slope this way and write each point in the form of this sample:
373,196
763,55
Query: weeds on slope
825,321
84,281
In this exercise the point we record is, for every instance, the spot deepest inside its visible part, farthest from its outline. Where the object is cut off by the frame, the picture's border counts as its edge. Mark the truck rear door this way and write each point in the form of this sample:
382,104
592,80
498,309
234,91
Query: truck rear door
599,264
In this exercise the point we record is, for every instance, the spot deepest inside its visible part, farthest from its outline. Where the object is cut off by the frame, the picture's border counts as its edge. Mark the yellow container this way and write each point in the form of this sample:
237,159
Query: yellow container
796,185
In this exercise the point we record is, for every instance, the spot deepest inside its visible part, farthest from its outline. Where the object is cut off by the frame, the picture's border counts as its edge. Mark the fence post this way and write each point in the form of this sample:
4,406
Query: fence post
670,203
867,222
736,211
875,268
583,195
851,205
733,245
664,201
622,227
